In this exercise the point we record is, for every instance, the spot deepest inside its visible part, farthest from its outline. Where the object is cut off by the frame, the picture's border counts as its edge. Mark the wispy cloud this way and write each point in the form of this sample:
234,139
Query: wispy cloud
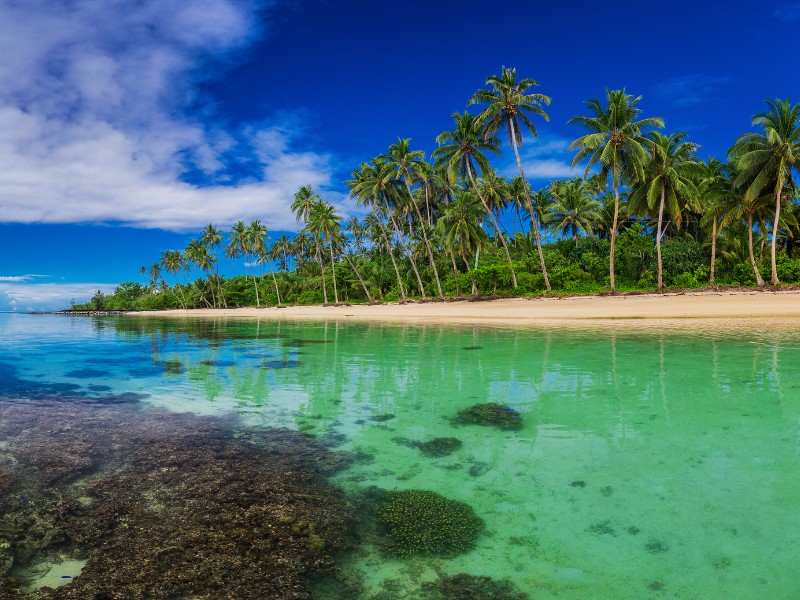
101,118
545,158
688,90
18,295
21,278
788,12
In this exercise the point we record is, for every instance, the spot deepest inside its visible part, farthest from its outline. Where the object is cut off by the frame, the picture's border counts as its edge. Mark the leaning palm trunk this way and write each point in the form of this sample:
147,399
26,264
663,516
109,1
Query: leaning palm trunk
759,279
713,251
658,238
427,243
534,221
495,224
333,270
255,286
613,240
360,279
469,271
275,282
322,271
409,255
455,270
394,264
774,275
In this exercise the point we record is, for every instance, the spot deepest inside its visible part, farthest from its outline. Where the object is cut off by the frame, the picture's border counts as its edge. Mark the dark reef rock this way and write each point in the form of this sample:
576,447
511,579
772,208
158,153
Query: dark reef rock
86,373
471,587
166,505
435,448
491,414
426,523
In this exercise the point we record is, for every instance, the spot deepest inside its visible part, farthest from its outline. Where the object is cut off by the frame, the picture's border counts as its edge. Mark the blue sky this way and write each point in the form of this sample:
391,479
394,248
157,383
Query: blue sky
126,126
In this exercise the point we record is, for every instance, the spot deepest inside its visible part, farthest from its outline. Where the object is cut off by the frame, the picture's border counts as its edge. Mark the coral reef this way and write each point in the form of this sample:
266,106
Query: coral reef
471,587
164,505
426,523
495,415
435,448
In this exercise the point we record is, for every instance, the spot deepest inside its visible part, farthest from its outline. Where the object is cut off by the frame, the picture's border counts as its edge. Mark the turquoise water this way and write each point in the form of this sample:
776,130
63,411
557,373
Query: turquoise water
650,464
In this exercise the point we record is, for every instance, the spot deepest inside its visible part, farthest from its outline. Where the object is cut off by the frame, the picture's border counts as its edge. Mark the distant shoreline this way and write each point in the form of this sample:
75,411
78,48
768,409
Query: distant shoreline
765,308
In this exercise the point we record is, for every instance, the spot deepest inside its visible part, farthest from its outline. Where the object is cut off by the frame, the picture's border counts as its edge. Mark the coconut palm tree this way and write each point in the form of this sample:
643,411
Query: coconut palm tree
459,152
770,159
197,254
212,239
717,198
410,167
507,104
255,249
368,188
616,144
173,262
325,223
574,209
666,183
304,201
461,227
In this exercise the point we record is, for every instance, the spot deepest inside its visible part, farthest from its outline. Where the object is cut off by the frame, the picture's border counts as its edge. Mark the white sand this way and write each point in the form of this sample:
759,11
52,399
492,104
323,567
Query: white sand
764,308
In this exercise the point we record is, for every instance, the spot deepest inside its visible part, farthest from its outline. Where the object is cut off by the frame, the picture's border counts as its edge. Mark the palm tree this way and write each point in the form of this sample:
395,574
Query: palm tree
460,226
615,143
154,274
197,254
254,248
769,159
212,239
344,245
237,241
717,196
459,151
410,167
667,182
508,102
574,210
324,222
304,201
173,262
367,187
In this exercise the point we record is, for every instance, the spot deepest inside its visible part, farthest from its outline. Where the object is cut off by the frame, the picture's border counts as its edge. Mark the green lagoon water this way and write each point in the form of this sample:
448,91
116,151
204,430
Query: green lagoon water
661,464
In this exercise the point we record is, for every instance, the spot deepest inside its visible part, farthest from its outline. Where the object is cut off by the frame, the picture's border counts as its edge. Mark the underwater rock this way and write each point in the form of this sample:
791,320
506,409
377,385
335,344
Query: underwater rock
478,469
100,388
435,448
86,373
173,367
280,364
471,587
426,523
472,347
297,342
491,414
382,418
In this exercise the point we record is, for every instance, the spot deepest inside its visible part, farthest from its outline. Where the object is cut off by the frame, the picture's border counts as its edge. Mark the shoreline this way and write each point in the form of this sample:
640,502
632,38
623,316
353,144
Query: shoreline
766,308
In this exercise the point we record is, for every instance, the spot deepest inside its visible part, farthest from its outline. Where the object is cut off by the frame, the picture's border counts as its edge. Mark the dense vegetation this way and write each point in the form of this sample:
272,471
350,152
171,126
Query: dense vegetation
648,214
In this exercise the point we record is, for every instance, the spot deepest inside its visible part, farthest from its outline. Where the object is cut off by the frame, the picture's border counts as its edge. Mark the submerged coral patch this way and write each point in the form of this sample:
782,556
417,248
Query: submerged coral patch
86,373
426,523
280,364
491,414
464,586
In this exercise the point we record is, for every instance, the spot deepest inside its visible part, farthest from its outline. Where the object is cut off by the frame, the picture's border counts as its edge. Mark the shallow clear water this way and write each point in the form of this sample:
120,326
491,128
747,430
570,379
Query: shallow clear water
650,464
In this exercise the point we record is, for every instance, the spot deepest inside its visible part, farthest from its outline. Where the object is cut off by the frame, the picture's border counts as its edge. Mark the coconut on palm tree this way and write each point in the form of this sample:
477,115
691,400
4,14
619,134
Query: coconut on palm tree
508,104
616,144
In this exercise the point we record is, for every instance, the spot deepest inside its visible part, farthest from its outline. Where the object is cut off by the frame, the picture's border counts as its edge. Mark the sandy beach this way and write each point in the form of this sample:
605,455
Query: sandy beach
662,310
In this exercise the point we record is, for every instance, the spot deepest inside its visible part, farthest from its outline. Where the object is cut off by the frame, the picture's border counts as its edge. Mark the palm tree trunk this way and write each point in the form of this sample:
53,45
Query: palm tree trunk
360,279
658,237
394,263
495,224
322,271
427,244
255,286
469,271
613,239
534,221
409,255
774,275
275,282
713,251
333,270
759,279
455,270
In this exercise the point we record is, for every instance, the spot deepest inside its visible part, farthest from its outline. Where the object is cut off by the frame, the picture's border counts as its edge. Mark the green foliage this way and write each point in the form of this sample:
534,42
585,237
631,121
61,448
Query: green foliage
495,415
422,522
309,297
788,269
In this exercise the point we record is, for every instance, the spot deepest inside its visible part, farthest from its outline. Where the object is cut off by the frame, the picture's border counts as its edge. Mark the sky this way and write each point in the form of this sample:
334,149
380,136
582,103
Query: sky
128,125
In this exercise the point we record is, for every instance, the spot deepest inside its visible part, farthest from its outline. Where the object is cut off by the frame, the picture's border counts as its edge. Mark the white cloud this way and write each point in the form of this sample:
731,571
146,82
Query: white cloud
688,90
30,297
94,124
20,278
545,158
